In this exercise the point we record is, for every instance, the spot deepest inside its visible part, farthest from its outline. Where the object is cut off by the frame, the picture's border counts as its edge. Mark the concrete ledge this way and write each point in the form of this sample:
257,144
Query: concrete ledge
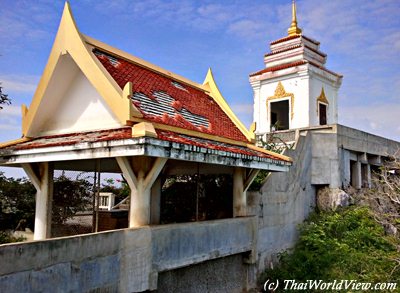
122,260
180,245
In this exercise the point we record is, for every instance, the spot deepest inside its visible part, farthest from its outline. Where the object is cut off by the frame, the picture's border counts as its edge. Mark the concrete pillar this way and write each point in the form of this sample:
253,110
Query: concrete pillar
239,194
140,185
366,175
139,211
155,202
356,175
42,179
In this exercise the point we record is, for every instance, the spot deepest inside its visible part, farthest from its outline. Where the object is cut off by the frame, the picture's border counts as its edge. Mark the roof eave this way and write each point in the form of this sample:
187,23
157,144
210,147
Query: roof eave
144,146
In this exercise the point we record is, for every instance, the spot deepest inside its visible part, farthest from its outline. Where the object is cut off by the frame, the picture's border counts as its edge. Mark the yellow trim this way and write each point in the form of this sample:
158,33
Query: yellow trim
192,132
322,98
282,157
281,93
219,99
143,129
141,62
13,142
253,127
294,29
212,137
69,41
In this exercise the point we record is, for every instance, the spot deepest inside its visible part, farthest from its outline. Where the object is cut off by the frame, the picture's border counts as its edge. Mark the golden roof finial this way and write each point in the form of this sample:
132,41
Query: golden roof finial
293,29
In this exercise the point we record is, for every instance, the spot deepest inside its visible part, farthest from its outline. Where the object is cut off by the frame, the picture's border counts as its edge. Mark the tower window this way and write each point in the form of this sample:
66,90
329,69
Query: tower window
322,114
279,115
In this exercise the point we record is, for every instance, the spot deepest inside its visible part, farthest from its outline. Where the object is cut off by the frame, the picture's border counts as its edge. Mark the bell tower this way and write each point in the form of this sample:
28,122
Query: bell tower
295,89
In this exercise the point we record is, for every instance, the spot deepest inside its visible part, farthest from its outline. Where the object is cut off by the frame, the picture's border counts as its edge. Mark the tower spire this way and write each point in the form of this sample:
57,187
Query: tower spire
293,29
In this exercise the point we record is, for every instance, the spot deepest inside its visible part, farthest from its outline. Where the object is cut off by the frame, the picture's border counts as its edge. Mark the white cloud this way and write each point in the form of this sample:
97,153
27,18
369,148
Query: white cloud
19,83
10,121
381,119
10,111
30,23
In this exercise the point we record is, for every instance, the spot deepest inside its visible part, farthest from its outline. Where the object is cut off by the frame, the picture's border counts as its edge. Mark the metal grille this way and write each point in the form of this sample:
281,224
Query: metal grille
163,105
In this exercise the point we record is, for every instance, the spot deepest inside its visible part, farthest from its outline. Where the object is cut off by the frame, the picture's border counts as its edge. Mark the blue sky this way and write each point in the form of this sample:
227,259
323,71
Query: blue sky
361,38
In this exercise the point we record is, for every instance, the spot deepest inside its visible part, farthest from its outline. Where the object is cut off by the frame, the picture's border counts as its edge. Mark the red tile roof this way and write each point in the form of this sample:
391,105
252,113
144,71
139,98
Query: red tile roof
210,144
279,67
283,50
295,47
73,139
288,38
324,69
163,100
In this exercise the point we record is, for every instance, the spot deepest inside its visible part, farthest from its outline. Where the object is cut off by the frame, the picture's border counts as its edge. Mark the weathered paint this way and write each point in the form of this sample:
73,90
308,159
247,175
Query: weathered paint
123,260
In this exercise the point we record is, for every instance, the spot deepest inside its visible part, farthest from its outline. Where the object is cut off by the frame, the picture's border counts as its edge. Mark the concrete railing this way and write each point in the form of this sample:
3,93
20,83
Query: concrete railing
123,260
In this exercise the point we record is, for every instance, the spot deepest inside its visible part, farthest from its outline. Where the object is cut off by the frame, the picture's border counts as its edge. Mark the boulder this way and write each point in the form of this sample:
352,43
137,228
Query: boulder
329,199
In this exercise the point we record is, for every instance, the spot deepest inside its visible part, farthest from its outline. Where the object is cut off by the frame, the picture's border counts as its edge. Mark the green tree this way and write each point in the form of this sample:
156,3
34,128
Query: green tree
4,99
70,196
343,245
17,202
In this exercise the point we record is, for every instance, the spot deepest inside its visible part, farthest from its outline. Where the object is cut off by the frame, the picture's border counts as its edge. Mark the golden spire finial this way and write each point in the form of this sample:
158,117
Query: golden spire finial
293,29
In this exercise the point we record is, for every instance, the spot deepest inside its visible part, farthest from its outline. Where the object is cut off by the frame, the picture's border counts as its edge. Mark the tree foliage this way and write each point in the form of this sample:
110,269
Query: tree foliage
4,99
69,197
17,202
343,245
119,188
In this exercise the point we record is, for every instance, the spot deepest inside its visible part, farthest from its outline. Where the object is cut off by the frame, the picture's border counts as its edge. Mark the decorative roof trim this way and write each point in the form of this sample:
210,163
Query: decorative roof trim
280,93
219,99
311,40
188,132
283,50
295,47
279,67
322,97
14,142
288,38
315,51
69,41
324,69
210,137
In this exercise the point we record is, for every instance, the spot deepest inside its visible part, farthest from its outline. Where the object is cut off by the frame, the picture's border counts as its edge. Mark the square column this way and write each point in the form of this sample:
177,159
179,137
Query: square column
356,175
239,194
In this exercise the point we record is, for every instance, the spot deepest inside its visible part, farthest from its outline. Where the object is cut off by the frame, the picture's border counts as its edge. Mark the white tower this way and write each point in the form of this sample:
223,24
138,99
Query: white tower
295,90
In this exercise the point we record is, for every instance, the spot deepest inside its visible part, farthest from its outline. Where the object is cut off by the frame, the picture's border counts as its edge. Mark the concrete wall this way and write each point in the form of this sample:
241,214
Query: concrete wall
283,203
321,158
227,274
123,260
364,142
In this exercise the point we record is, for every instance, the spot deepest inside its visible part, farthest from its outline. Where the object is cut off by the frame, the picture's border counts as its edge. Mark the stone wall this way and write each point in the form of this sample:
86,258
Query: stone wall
227,274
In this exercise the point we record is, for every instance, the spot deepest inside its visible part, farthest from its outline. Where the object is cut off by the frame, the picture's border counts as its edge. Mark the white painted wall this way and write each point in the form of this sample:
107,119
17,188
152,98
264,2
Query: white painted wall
306,87
316,84
71,104
80,109
296,84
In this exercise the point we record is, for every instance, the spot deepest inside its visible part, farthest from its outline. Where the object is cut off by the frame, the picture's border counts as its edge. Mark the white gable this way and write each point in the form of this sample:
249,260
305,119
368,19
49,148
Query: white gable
72,104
